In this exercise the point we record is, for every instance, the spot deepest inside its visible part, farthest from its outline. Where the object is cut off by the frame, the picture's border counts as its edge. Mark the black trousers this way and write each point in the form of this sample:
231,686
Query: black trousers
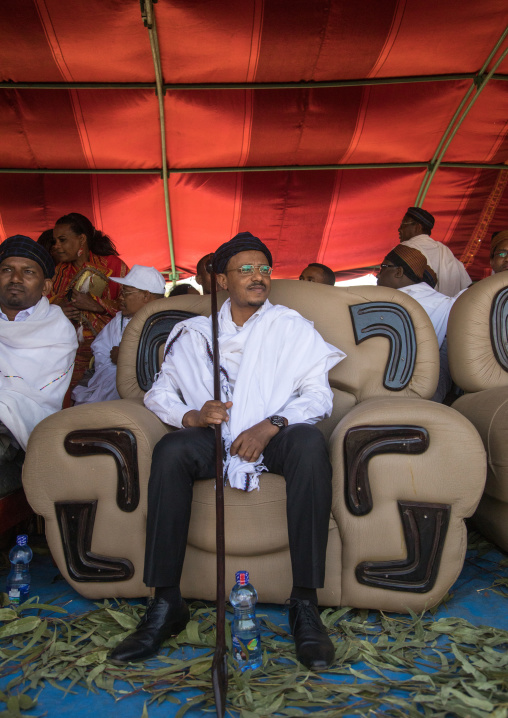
298,453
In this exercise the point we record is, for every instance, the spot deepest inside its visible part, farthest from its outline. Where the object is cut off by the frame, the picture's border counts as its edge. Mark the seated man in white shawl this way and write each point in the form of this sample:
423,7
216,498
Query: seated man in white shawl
141,286
274,368
406,269
414,231
37,342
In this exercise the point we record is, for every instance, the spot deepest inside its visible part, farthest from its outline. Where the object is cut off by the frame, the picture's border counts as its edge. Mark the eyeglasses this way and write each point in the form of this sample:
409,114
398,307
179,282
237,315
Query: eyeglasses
132,291
403,224
247,269
387,266
502,254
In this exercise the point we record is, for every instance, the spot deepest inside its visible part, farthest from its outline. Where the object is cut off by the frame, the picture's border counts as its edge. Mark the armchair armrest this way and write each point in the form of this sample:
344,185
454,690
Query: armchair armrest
86,472
406,474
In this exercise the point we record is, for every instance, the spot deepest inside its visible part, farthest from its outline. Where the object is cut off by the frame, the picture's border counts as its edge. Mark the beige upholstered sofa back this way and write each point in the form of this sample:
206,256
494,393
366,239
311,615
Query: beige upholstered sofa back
478,356
477,335
365,373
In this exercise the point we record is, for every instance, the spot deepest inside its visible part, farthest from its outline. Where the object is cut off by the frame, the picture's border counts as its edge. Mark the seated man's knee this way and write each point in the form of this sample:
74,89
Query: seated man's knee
306,438
175,443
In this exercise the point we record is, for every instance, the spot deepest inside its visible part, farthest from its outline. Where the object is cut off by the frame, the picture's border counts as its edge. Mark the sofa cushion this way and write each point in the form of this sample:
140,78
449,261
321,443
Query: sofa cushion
488,412
477,338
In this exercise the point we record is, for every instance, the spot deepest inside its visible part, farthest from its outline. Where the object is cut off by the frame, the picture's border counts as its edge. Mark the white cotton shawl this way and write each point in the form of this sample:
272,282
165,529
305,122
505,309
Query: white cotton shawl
436,305
452,276
278,352
36,362
102,385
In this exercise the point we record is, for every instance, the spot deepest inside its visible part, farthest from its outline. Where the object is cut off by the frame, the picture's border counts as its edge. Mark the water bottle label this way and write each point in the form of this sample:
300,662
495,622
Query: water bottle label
242,577
243,651
252,645
16,593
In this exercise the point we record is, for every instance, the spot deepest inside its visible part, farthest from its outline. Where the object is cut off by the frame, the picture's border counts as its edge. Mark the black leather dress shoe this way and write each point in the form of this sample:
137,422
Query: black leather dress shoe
313,646
161,620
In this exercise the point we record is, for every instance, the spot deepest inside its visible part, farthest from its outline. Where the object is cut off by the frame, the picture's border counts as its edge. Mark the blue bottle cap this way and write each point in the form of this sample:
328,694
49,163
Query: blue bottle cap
22,540
242,577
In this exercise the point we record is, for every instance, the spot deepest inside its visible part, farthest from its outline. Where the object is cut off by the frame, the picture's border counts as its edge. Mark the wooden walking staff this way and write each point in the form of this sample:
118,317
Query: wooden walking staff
220,658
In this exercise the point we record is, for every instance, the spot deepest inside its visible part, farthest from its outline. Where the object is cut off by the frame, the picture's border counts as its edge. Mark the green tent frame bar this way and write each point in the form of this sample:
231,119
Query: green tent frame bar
265,168
478,85
370,82
148,16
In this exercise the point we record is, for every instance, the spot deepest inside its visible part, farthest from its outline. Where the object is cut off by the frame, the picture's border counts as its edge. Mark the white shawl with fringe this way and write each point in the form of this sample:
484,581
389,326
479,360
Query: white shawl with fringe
36,362
281,353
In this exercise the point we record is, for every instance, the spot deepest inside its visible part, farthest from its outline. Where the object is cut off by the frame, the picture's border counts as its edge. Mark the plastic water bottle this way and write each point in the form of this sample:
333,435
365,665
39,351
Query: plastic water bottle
245,625
18,580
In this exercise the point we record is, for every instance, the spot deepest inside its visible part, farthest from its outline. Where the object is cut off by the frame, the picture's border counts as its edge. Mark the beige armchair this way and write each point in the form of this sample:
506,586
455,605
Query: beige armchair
406,471
478,356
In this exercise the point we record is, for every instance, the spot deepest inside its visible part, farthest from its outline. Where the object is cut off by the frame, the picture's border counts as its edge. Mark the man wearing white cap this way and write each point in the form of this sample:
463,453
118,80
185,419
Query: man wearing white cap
140,286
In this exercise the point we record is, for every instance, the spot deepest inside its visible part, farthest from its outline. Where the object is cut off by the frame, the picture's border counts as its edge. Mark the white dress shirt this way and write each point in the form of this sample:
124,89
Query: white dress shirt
22,315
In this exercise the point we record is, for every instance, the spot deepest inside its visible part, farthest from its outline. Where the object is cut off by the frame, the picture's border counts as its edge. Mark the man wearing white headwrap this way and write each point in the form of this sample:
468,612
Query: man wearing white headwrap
37,342
141,286
274,388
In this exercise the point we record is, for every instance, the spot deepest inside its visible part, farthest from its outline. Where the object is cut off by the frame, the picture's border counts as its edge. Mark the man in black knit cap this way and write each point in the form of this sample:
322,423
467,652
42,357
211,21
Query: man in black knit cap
37,343
274,388
414,231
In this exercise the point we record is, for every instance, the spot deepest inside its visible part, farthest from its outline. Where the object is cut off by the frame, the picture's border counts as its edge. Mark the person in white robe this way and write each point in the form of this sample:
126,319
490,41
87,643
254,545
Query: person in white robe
274,388
436,305
414,231
141,286
406,269
37,342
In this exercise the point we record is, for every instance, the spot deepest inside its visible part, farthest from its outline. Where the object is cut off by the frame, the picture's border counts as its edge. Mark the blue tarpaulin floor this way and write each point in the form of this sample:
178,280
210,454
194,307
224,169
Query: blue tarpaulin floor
474,597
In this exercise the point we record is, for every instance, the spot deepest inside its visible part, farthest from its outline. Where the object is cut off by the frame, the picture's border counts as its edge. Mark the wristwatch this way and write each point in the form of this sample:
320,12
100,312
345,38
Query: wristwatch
279,421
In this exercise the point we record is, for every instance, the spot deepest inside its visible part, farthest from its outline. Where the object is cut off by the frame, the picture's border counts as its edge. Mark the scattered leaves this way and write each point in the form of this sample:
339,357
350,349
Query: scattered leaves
386,665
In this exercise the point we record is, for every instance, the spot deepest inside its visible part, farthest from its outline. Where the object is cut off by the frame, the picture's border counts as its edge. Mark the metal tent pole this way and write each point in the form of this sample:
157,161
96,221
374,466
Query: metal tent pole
479,83
311,85
260,168
149,21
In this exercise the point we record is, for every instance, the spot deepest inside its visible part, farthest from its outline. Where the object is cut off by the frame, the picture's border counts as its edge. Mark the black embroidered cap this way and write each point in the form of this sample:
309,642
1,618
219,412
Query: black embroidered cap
414,264
21,246
242,242
422,216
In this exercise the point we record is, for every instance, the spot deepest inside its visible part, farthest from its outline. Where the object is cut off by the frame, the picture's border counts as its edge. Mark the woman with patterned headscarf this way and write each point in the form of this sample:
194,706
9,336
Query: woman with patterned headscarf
87,258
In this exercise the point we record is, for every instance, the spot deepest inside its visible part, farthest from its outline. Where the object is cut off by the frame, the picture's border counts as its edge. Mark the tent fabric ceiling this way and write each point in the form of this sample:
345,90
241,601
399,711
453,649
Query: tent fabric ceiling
217,138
